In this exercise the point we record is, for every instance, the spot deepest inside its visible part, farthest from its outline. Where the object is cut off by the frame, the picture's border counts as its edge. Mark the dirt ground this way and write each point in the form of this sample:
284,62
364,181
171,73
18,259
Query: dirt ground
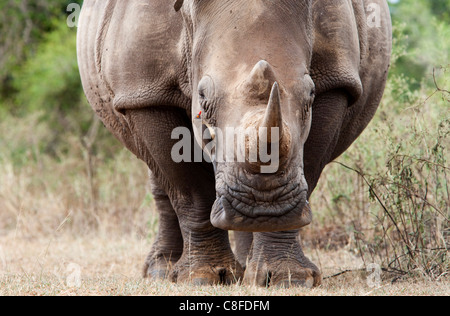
108,265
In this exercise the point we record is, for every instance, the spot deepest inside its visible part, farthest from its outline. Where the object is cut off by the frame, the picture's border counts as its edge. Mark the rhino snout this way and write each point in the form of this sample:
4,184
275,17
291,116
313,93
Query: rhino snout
260,203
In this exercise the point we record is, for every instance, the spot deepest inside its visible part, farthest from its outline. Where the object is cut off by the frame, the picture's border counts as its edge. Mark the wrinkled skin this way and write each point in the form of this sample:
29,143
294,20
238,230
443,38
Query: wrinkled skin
316,69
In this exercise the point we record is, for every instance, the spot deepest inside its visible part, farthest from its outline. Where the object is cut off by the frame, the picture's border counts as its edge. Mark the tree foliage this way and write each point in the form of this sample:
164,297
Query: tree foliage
421,33
38,70
23,25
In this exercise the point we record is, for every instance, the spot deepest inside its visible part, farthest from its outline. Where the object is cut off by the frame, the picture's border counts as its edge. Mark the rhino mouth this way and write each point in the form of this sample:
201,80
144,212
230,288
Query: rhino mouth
273,205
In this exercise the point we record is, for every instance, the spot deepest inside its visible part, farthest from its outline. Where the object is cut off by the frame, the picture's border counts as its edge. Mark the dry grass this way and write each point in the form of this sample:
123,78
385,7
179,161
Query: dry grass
111,265
50,235
50,231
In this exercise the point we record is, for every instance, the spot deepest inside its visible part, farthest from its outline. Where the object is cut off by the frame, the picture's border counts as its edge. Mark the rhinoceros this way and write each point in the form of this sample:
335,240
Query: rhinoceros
311,73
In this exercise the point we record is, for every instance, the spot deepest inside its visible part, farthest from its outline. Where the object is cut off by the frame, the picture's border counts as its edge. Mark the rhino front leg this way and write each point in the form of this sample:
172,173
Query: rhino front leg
277,259
168,246
207,257
190,188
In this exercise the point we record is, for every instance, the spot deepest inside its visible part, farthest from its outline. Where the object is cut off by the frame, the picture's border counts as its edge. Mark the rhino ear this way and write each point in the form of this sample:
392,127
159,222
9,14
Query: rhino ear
178,5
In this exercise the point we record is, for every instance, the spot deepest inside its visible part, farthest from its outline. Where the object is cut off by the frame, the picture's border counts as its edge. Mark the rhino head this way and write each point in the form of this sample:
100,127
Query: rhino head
249,76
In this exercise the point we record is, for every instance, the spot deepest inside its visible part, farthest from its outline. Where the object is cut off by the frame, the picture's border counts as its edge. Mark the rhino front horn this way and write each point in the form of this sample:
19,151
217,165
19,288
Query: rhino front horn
273,117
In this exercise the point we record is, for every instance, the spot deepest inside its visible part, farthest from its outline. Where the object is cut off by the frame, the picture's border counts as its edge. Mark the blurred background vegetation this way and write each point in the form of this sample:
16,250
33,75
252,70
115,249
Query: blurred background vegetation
39,74
389,193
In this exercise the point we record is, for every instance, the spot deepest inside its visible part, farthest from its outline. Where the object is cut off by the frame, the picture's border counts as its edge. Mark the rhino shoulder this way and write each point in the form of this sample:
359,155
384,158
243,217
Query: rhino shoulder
137,53
344,36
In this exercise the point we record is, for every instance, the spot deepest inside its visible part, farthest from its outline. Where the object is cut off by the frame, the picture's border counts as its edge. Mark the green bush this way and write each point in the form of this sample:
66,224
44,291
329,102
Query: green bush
390,190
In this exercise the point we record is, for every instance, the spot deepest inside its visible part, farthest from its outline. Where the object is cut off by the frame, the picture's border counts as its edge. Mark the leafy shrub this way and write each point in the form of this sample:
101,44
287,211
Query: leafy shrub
390,190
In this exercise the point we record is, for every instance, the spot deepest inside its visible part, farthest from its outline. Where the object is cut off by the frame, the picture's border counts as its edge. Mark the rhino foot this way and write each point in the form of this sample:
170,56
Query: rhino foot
286,274
280,264
158,267
207,272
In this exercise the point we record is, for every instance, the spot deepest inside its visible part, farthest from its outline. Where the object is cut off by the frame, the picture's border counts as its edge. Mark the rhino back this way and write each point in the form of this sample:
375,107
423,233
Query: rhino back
134,47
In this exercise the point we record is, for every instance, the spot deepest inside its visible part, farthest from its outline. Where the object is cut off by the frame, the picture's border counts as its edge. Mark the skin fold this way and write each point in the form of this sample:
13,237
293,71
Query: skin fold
311,72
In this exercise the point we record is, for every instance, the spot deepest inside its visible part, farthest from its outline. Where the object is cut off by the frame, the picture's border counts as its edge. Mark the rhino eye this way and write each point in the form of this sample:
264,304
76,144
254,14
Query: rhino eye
311,85
206,88
203,100
202,95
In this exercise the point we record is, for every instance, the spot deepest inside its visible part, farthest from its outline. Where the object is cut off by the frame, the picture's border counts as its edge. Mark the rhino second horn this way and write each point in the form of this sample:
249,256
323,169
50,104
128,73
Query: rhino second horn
273,116
261,78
